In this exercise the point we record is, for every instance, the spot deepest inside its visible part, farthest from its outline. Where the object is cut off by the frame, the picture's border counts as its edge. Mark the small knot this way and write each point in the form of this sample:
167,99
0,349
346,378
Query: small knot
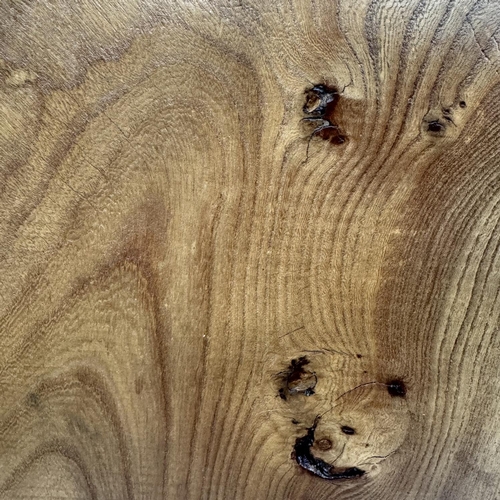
347,430
435,127
325,444
396,388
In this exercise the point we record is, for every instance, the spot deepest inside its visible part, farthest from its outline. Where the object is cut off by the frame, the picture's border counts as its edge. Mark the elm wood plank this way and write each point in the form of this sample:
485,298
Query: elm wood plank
205,296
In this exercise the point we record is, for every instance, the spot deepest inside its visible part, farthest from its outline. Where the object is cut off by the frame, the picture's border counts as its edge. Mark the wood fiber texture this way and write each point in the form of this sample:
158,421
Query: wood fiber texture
204,296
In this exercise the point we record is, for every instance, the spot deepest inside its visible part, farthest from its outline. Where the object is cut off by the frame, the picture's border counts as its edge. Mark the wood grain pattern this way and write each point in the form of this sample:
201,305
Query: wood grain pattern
175,238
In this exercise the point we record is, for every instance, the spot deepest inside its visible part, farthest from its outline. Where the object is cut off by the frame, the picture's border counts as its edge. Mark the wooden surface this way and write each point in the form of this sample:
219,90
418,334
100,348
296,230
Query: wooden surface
191,273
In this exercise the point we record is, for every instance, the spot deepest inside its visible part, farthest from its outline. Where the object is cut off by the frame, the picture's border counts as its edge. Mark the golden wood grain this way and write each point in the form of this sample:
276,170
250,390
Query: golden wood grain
172,237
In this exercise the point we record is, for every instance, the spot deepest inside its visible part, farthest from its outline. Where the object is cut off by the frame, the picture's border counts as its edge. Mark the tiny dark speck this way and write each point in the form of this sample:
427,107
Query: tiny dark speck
396,388
33,400
463,104
295,422
435,126
359,356
347,430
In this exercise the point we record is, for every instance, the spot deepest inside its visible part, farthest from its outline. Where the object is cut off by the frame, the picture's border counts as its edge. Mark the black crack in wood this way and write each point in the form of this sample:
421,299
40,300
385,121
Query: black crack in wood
347,430
321,101
296,379
303,456
396,388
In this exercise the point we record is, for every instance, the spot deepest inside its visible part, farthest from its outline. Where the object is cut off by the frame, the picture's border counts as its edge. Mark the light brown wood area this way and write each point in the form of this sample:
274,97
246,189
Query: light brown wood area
205,296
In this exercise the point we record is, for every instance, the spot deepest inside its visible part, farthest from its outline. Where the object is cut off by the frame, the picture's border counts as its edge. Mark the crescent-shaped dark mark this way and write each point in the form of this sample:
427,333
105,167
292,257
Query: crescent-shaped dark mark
317,466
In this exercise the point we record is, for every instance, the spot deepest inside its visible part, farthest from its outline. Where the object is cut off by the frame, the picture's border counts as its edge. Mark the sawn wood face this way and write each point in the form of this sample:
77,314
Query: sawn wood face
249,250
